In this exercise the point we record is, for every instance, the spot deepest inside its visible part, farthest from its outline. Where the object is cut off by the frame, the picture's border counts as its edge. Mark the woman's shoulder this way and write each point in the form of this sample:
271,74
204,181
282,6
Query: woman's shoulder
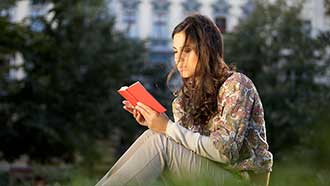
238,77
237,81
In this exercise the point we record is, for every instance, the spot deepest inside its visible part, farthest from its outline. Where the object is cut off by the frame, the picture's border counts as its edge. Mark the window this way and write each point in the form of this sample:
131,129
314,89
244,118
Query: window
160,51
160,18
247,8
191,6
221,11
130,9
221,22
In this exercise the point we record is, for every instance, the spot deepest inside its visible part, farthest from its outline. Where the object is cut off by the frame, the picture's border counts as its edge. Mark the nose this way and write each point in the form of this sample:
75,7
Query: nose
179,59
179,62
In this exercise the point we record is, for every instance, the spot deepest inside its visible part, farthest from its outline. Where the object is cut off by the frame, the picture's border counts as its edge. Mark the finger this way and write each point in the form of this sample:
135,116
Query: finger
135,113
127,104
142,110
145,107
130,110
140,118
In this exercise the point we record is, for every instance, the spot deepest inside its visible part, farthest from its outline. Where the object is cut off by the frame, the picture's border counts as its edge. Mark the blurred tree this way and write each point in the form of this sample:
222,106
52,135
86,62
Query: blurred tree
327,6
73,66
275,49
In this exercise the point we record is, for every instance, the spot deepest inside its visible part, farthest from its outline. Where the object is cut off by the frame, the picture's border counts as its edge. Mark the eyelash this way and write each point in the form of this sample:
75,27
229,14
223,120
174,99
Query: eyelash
187,50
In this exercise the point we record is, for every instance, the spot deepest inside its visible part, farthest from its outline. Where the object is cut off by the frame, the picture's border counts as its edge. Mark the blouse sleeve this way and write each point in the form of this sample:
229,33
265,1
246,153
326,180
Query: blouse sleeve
230,125
176,109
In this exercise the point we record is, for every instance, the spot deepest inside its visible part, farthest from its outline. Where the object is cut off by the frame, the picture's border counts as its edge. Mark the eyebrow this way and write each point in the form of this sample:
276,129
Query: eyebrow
190,46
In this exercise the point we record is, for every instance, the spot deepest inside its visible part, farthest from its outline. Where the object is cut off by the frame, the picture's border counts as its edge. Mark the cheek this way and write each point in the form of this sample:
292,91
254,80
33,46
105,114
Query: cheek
193,63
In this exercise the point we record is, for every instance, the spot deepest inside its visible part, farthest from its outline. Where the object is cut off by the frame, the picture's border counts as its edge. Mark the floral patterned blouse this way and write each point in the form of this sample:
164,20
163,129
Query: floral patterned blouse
237,132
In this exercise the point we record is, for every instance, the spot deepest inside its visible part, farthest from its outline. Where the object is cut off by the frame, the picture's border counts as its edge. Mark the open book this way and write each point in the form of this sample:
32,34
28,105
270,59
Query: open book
137,93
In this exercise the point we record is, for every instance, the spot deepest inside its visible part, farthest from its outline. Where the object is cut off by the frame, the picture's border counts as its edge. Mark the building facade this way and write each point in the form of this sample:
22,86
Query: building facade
154,20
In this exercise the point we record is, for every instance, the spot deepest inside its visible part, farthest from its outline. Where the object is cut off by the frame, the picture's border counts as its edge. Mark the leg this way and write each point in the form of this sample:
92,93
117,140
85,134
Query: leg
143,161
152,152
131,150
186,164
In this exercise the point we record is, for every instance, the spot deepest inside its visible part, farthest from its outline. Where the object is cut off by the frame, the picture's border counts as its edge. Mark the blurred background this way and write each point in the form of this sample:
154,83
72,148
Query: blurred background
61,63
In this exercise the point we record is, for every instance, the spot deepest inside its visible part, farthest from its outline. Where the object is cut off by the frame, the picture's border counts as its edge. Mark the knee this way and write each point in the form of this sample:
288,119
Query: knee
147,134
150,133
157,143
154,137
158,140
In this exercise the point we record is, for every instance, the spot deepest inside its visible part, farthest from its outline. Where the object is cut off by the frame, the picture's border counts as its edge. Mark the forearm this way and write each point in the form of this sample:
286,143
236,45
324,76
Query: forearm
200,144
159,127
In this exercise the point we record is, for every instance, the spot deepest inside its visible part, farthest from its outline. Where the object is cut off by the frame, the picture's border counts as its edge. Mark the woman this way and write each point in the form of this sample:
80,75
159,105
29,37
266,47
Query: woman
219,125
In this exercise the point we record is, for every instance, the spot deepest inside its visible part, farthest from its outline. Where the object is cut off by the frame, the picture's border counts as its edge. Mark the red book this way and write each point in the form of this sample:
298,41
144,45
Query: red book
137,93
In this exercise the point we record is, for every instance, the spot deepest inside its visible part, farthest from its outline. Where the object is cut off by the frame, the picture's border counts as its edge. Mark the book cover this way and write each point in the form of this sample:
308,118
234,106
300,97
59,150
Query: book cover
137,93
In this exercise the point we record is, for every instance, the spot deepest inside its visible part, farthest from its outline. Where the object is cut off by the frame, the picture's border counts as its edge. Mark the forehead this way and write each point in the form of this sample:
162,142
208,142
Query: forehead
179,39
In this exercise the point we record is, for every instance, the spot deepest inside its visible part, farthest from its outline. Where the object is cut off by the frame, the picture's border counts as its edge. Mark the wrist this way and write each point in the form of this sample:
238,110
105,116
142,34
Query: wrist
159,127
163,127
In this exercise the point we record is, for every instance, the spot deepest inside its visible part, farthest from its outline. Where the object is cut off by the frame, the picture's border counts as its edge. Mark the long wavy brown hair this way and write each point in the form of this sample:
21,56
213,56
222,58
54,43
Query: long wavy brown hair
199,92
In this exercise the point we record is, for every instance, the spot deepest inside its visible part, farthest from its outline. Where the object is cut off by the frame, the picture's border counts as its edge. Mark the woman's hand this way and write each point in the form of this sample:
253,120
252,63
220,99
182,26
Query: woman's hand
137,115
128,107
154,120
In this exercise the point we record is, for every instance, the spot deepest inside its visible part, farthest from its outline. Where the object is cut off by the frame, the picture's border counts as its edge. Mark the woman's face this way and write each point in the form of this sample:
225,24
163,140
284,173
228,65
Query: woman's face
186,65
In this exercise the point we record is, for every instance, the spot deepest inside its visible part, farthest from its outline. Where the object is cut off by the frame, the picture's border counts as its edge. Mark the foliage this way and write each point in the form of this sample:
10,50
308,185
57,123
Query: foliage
276,50
73,65
327,6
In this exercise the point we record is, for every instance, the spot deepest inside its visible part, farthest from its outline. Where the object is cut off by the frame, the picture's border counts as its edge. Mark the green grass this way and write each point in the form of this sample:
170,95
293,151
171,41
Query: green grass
285,173
299,174
282,175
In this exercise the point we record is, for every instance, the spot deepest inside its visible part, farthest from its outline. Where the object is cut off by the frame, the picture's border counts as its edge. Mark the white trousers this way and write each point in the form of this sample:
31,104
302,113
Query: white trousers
153,153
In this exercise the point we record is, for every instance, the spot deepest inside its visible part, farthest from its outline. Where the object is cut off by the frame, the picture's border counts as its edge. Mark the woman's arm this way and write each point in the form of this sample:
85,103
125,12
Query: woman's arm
230,125
239,118
200,144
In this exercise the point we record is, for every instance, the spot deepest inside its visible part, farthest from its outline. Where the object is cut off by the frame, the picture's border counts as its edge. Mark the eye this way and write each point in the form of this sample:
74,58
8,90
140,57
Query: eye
187,50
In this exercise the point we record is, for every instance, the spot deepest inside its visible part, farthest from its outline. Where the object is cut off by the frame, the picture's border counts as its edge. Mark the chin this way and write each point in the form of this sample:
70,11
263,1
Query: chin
185,75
